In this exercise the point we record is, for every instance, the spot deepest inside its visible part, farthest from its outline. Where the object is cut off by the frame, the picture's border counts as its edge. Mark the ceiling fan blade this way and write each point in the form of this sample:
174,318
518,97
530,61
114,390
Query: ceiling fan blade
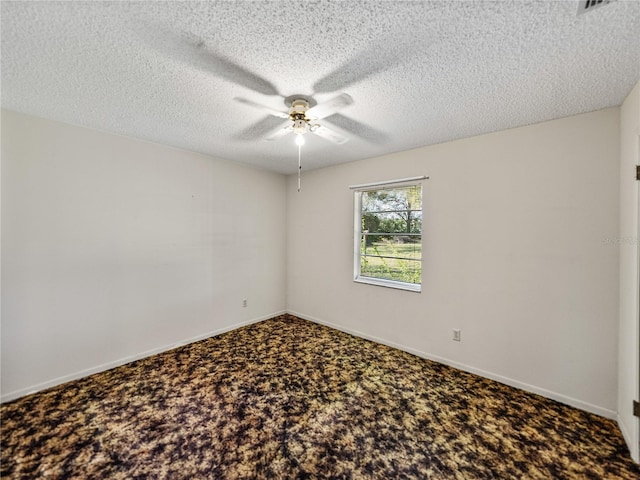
269,110
359,129
367,63
192,50
330,135
330,107
280,132
260,129
231,71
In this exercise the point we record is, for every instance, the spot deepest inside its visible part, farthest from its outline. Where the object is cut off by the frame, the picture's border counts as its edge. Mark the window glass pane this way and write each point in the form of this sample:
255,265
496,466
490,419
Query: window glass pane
390,228
409,221
392,246
390,269
400,198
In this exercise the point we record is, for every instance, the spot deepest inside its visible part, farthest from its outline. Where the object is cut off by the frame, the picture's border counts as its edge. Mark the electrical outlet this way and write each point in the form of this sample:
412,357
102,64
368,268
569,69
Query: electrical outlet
244,303
456,334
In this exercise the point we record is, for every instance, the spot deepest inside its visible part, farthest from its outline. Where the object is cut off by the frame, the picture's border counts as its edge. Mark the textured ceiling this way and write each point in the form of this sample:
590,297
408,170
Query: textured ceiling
419,73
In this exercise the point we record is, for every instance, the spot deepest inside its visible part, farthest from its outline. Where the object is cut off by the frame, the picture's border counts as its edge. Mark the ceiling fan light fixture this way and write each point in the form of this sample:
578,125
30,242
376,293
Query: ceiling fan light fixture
299,140
299,122
299,126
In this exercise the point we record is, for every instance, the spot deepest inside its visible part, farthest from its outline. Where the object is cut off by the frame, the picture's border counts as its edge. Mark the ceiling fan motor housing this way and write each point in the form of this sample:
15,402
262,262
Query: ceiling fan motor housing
299,106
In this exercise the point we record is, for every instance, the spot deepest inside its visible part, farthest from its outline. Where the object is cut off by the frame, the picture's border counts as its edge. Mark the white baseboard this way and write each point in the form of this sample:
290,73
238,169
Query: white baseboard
122,361
493,376
628,438
604,412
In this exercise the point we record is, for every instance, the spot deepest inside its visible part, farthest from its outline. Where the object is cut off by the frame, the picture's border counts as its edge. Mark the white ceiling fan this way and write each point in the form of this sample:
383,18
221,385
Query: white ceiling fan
303,115
302,112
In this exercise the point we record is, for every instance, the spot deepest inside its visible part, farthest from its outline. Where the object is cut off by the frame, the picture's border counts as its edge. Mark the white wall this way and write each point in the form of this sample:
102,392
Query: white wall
113,248
629,338
519,253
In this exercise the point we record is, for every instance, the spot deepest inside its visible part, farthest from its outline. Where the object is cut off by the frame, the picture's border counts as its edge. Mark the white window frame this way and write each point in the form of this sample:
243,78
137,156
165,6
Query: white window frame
358,191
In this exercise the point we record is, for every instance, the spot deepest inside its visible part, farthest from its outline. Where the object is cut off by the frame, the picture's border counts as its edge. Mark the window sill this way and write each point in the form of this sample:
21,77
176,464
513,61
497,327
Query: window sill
411,287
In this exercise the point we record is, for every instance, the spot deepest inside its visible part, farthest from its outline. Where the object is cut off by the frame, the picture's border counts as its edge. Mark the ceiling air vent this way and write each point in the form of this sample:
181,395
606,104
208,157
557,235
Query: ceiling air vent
588,5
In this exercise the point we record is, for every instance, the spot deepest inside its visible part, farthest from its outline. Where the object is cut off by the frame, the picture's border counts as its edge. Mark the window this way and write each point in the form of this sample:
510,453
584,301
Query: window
388,236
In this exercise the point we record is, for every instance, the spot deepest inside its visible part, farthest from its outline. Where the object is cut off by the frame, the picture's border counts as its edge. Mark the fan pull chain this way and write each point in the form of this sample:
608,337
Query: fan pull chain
299,166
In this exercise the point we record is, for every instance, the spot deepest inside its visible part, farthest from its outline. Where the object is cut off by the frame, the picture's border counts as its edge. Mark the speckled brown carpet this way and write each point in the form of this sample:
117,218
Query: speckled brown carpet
287,398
